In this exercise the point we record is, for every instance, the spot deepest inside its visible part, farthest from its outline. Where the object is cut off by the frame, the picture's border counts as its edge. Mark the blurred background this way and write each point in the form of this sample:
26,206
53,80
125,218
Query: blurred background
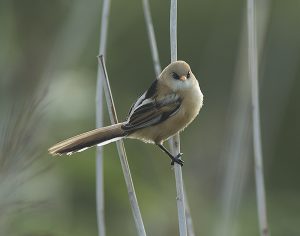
48,70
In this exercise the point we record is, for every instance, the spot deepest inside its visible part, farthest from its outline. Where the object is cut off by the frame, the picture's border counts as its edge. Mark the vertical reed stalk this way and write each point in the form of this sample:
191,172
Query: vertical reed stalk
236,146
157,69
99,122
175,140
189,220
151,35
253,71
122,154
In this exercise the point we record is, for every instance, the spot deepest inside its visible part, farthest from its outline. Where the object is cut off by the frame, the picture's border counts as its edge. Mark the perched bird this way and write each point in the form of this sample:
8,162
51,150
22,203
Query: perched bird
171,103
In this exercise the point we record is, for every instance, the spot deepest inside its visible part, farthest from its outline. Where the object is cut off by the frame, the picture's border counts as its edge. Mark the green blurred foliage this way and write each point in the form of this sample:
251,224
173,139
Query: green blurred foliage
52,46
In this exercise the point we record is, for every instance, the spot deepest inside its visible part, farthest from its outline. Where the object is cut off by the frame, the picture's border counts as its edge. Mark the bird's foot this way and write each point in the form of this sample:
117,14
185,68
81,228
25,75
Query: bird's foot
177,160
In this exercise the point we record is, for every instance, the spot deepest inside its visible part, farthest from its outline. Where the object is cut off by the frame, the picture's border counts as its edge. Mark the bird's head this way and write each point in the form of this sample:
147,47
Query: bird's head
178,76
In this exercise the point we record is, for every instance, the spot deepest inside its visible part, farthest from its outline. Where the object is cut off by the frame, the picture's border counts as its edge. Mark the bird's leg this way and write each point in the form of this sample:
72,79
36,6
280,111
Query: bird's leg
174,159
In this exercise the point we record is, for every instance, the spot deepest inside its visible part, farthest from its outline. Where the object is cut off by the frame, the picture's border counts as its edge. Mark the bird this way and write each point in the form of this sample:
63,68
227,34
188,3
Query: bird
170,104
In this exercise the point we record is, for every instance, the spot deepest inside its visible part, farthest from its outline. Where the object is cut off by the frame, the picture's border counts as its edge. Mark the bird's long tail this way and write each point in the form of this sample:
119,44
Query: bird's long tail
86,140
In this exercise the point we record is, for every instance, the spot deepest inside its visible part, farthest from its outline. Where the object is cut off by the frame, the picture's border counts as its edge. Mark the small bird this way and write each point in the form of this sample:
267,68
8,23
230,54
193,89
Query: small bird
171,103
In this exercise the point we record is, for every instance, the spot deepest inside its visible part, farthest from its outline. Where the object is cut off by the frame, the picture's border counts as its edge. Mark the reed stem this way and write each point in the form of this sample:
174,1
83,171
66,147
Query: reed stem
253,72
175,140
122,154
99,122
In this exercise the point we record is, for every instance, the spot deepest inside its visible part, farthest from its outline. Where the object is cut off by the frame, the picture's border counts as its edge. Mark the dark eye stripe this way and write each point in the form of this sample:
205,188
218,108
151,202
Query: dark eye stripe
188,74
175,76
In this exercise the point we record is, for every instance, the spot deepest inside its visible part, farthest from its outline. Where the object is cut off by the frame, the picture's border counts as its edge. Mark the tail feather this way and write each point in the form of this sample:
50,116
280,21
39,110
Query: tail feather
86,140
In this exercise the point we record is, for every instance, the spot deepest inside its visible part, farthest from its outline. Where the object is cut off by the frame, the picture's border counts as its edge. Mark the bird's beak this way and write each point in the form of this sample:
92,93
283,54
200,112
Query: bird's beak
182,78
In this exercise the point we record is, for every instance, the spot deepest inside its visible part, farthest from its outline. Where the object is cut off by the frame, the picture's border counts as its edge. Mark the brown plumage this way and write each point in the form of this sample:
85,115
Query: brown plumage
88,139
170,104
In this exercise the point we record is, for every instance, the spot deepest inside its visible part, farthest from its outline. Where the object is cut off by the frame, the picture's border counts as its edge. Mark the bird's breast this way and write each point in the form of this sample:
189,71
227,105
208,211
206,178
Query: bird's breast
192,102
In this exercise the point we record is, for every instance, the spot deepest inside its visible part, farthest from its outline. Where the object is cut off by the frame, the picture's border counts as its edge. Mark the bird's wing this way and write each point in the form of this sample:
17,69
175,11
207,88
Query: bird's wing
151,112
150,93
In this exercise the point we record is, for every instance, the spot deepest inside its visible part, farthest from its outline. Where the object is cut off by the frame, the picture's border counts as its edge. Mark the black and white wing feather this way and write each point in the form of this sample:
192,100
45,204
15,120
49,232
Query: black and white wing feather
150,93
149,111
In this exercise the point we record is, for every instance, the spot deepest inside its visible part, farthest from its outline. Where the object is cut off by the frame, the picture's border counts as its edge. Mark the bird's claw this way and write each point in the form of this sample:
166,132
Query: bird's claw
177,160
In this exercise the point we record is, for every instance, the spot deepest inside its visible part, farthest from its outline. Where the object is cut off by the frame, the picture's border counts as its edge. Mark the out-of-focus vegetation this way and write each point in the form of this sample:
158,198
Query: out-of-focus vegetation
48,52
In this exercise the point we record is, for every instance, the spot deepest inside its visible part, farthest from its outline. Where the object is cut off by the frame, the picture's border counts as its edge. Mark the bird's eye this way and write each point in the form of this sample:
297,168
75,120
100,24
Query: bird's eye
188,75
175,76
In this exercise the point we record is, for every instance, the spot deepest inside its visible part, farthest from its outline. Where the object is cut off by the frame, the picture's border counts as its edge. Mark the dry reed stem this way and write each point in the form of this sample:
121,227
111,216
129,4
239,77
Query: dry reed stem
151,35
157,69
122,154
253,72
236,147
99,122
175,140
